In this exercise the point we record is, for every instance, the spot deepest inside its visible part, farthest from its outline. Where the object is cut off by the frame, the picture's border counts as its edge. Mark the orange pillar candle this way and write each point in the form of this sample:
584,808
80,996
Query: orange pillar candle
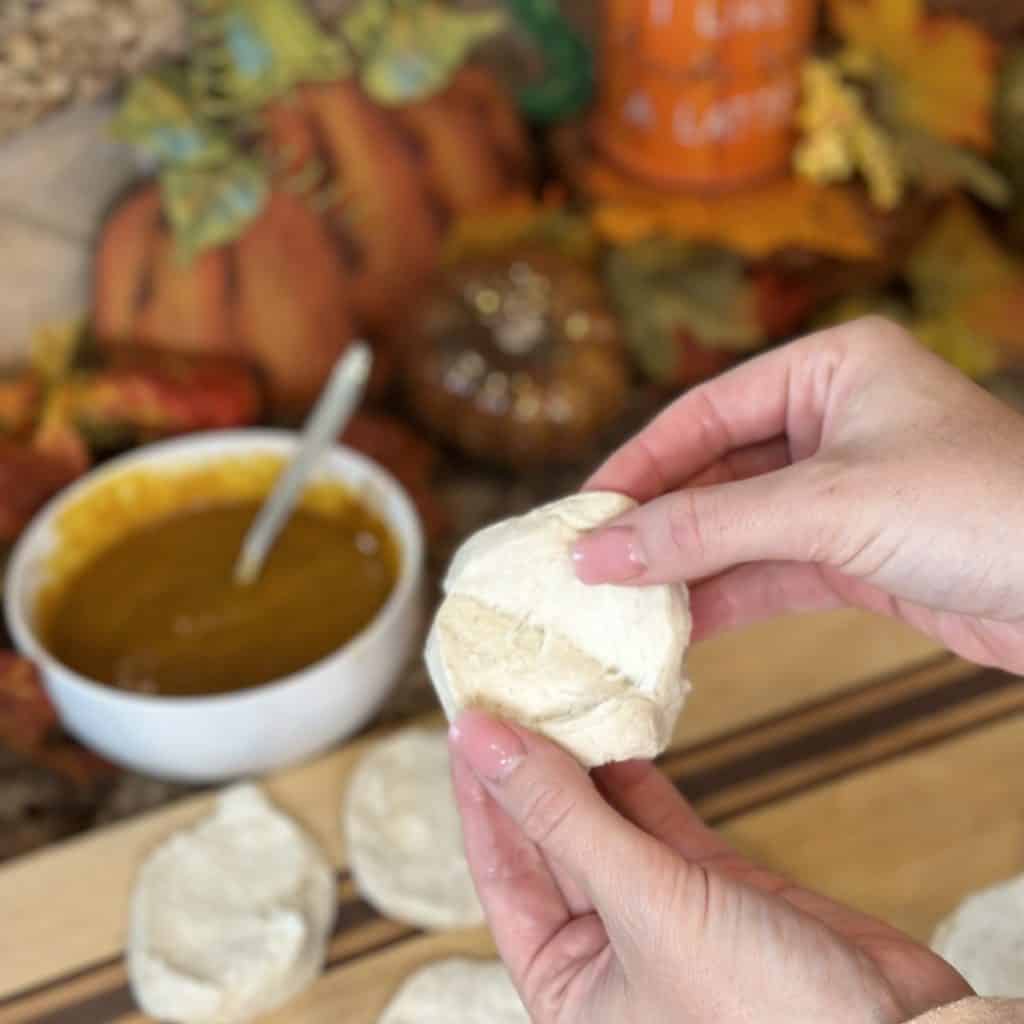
701,93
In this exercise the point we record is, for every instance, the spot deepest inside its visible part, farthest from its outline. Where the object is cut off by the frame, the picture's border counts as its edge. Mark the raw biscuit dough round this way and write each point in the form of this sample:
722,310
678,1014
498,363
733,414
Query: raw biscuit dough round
403,835
229,919
984,940
457,991
597,669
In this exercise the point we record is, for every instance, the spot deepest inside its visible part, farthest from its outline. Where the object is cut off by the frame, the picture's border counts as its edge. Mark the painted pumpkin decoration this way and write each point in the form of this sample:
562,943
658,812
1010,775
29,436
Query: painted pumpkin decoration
701,93
290,292
282,279
515,357
405,173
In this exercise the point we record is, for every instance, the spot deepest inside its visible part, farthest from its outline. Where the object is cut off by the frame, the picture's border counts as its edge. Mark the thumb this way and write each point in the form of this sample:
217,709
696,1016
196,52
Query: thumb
552,800
791,515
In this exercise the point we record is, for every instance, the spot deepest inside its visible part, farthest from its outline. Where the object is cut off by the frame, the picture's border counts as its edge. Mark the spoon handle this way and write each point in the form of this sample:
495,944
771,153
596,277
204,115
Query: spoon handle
331,413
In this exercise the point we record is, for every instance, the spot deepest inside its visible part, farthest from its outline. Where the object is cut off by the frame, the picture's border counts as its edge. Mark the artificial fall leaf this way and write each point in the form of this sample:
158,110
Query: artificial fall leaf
54,347
208,207
140,396
58,439
966,296
29,477
252,51
947,335
941,167
955,341
1010,119
29,725
840,138
158,114
26,714
855,305
668,292
937,72
21,399
791,213
411,50
958,266
518,219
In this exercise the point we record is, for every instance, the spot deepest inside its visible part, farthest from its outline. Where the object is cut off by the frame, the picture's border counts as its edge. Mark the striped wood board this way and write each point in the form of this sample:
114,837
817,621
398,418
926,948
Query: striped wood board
841,748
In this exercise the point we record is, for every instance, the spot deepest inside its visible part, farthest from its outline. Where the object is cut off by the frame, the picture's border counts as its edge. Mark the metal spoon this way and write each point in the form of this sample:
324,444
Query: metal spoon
333,409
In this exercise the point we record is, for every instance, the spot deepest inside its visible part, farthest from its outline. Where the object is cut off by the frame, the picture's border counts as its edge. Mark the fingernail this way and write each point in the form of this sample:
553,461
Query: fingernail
612,555
489,747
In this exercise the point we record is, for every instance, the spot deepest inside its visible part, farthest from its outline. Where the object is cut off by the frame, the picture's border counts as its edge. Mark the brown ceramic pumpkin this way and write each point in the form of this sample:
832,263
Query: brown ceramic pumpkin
292,290
516,358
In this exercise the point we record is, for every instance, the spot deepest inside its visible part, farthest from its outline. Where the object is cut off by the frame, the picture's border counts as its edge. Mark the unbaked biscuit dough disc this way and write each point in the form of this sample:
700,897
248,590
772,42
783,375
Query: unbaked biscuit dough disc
457,991
984,940
403,835
230,918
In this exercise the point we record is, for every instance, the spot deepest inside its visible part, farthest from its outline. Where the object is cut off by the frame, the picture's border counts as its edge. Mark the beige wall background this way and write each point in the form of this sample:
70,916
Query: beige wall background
56,180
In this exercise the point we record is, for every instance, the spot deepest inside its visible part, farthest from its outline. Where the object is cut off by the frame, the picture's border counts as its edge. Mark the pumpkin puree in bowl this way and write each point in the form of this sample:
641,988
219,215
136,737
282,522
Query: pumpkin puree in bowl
142,597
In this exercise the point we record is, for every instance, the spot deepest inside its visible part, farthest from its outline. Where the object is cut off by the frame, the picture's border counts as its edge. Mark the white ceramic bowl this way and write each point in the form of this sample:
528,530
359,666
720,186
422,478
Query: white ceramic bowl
254,730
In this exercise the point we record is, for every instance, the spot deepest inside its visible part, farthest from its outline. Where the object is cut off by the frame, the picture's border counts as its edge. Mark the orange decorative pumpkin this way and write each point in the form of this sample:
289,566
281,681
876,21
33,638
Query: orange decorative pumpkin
292,291
701,93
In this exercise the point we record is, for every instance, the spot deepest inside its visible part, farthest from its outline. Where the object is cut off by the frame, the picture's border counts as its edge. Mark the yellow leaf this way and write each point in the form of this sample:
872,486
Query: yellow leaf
938,72
966,285
958,263
789,213
840,137
957,343
54,346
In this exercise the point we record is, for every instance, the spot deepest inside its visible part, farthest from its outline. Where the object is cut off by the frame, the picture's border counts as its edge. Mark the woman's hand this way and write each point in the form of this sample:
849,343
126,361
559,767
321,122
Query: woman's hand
611,903
850,468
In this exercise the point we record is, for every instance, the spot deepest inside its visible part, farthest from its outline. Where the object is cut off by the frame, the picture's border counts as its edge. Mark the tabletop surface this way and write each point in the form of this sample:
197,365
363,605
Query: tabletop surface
840,748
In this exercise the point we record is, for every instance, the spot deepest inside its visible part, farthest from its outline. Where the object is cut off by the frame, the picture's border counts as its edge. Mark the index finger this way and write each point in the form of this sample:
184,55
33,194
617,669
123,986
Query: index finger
744,406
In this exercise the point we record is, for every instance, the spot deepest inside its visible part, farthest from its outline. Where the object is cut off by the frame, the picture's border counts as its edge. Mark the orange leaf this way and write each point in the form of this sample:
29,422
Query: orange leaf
791,213
518,218
938,72
26,715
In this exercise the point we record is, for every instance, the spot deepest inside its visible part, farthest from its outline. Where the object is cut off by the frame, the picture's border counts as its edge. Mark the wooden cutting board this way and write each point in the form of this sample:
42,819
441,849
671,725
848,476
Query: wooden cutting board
842,748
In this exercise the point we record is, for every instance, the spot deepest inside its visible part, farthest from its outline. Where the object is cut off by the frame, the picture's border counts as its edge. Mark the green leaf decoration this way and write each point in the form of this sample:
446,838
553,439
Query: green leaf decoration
157,115
366,24
942,167
410,51
662,288
211,207
1009,119
253,51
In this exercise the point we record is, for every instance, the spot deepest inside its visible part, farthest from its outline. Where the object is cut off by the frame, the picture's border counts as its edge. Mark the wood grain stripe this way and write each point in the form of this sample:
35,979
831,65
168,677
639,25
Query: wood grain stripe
729,776
859,744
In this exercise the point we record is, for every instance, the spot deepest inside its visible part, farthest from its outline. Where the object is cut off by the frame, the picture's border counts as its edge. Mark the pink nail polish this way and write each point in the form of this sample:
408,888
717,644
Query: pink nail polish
612,555
490,747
